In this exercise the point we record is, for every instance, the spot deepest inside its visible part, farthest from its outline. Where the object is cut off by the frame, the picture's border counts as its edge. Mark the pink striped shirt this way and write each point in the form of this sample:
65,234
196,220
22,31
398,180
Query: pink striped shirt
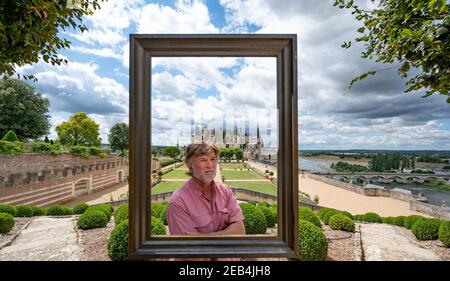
190,210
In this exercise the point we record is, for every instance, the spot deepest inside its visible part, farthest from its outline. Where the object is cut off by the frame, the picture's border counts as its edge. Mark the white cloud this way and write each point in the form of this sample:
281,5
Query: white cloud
104,52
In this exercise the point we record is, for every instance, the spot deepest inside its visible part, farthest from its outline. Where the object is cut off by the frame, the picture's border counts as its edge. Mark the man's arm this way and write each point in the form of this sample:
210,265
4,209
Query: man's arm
235,228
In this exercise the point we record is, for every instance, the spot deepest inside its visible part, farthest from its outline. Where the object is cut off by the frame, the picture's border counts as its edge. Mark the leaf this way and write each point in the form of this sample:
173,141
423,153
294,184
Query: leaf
361,29
431,6
359,78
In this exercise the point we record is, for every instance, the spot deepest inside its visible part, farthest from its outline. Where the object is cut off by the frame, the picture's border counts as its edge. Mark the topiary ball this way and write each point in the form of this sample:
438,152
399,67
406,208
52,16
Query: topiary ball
444,233
121,214
399,221
67,211
342,222
426,229
313,245
322,212
270,218
156,210
163,214
118,242
5,208
56,210
372,217
157,226
348,214
7,222
328,214
105,208
92,219
410,220
308,215
254,219
387,220
37,211
24,211
80,208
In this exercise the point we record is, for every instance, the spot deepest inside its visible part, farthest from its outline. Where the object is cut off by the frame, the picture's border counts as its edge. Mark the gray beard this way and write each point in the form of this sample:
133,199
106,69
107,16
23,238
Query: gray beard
207,178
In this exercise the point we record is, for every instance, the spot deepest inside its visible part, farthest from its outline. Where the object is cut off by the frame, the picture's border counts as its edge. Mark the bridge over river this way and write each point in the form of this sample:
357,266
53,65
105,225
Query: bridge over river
386,177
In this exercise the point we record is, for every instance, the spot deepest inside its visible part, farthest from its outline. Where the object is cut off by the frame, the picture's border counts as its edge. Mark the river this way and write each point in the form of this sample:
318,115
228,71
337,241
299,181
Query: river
435,197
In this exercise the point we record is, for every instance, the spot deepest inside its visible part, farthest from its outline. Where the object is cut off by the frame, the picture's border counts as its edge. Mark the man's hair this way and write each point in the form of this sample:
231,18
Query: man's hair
198,149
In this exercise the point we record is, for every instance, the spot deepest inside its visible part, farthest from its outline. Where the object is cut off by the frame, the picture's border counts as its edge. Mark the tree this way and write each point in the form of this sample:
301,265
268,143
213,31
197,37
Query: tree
172,151
79,130
23,110
118,137
239,154
413,33
10,136
30,31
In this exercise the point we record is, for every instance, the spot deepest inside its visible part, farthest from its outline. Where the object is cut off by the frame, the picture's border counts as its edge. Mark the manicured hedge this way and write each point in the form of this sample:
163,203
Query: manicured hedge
254,219
342,222
80,208
410,220
426,229
37,211
92,219
322,212
121,214
399,221
163,214
328,214
24,211
56,210
7,222
387,220
5,208
118,242
308,215
105,208
313,245
444,233
157,226
270,218
371,217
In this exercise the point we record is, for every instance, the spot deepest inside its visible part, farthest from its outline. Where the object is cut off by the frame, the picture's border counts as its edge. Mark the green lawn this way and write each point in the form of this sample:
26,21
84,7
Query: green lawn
176,174
241,175
231,166
264,187
166,187
183,167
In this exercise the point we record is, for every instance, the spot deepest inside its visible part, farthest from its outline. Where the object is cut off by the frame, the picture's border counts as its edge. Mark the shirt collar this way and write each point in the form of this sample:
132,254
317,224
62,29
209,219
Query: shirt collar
198,189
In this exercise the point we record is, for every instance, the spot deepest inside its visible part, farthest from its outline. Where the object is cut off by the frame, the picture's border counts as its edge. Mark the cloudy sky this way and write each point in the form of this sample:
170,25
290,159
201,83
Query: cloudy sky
375,114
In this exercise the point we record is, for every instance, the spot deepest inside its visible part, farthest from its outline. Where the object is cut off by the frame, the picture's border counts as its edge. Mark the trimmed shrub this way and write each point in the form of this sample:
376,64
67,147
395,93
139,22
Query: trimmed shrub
342,222
80,208
399,221
348,214
322,212
10,136
410,220
96,151
426,229
121,214
163,214
371,217
444,233
56,210
118,242
157,226
328,214
79,150
105,208
264,204
92,219
67,211
313,245
24,211
254,219
270,219
7,147
156,210
358,217
308,215
37,211
4,208
7,222
387,220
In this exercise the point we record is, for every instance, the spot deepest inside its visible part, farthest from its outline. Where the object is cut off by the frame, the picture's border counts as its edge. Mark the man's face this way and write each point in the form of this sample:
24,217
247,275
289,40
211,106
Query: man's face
204,167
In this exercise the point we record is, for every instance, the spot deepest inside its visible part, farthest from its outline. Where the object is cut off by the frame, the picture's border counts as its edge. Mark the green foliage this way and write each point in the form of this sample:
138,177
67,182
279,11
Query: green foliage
270,219
92,219
371,217
44,147
328,214
118,242
444,233
313,245
399,221
80,151
322,211
342,222
308,215
412,34
426,229
5,208
157,226
166,162
163,214
171,151
387,220
24,211
387,161
79,130
121,214
67,211
346,167
7,147
10,136
96,151
80,208
118,137
22,108
228,153
254,219
410,220
105,208
348,214
156,210
7,222
264,204
31,30
56,210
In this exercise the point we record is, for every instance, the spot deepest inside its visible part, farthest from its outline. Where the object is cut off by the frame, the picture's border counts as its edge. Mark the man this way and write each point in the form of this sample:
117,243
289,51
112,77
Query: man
203,206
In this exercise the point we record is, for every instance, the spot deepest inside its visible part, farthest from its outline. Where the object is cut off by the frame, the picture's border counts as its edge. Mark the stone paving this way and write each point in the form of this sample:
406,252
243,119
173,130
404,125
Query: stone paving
46,239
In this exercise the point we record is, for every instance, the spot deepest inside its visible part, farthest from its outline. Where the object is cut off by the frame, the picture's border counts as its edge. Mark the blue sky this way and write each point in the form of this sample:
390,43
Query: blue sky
375,114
